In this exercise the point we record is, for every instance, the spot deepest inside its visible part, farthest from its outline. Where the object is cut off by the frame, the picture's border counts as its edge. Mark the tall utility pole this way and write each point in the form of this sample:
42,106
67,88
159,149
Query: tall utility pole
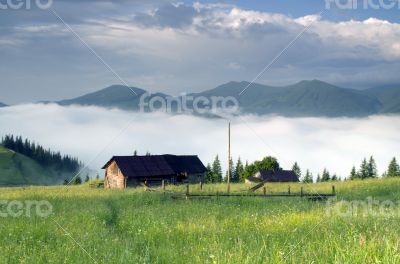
229,157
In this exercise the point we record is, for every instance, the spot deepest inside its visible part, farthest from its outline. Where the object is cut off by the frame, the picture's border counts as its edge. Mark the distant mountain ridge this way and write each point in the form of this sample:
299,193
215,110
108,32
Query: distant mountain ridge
114,96
2,105
304,99
389,96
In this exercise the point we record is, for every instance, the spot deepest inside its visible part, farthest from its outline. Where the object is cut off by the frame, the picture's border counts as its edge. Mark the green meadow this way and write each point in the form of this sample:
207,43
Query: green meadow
136,226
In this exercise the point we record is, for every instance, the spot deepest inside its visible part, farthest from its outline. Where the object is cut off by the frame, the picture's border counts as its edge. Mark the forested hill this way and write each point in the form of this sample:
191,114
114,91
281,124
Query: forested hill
24,162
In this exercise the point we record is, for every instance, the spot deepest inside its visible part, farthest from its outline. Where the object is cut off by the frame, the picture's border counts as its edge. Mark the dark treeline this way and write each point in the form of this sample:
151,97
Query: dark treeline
368,170
308,177
46,158
239,171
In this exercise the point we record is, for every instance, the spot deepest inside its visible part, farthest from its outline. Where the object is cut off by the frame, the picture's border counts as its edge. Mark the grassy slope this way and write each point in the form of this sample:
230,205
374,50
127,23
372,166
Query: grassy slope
17,169
133,226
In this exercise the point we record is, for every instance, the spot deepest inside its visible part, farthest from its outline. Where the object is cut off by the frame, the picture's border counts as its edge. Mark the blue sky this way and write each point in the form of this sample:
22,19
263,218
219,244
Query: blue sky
192,46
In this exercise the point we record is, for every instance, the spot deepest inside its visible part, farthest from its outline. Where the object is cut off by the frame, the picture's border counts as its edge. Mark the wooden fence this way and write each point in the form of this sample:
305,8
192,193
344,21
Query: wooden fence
312,196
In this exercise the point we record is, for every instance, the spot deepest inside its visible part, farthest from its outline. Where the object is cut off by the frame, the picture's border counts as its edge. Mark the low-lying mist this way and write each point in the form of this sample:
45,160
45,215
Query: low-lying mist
95,134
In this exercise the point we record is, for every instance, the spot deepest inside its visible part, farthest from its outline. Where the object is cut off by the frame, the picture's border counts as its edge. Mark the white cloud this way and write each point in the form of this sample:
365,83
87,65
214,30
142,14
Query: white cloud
40,29
316,143
183,48
219,35
376,35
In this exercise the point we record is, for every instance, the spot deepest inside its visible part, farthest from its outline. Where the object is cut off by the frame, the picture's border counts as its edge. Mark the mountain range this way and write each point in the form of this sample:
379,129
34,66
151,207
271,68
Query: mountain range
305,98
2,105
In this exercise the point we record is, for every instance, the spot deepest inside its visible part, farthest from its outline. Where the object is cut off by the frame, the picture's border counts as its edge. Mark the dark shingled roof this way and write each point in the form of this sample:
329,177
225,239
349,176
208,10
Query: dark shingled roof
157,165
279,176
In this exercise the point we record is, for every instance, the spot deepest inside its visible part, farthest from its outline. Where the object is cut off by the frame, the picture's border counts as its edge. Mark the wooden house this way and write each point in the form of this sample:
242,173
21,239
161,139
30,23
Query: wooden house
273,176
129,171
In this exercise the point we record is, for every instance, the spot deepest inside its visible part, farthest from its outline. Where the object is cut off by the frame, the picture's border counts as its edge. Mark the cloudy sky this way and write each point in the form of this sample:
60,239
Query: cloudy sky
187,46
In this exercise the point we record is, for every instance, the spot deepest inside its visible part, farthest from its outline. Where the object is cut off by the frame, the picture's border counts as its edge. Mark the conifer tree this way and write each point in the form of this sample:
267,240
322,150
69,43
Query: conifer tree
318,178
308,178
217,170
353,174
334,177
209,174
296,169
393,169
371,168
238,170
78,180
363,172
325,176
244,173
87,178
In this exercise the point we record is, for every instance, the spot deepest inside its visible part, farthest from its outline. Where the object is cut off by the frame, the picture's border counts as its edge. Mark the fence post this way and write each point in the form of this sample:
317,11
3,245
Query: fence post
289,190
163,185
265,190
301,192
187,189
333,189
201,185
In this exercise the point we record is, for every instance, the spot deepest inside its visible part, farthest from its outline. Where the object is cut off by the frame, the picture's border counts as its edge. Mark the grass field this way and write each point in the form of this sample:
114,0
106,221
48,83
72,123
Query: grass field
132,226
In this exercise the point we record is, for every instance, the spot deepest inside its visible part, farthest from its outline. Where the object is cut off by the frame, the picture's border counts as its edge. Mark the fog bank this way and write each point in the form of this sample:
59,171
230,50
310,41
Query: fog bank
95,134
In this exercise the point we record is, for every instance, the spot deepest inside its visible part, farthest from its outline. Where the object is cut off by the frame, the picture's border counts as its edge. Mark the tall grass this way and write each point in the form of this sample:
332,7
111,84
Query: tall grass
134,226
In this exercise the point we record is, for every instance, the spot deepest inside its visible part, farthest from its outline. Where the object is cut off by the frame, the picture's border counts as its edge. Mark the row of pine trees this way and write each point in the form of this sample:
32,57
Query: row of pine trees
45,157
239,171
368,170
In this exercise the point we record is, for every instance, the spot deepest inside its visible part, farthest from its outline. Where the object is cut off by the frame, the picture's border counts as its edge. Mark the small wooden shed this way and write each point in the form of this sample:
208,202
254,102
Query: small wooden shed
130,171
273,176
